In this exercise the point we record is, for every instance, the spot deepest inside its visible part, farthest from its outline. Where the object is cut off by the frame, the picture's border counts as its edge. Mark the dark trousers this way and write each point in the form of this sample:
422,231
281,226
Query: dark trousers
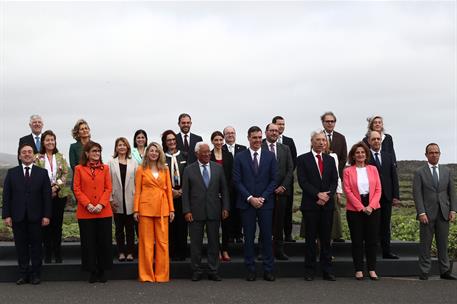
52,234
364,231
249,217
177,233
234,220
196,231
278,221
27,239
318,224
384,228
124,233
225,227
288,213
96,244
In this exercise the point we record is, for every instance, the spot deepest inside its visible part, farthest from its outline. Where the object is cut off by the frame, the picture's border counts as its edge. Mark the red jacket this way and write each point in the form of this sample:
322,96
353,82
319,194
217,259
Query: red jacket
353,202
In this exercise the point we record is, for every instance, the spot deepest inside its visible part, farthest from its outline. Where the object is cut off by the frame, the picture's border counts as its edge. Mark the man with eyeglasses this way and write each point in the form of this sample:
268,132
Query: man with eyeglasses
337,144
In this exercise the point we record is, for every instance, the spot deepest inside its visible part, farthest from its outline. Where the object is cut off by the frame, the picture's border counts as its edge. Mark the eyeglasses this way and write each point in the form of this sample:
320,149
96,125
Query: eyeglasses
329,121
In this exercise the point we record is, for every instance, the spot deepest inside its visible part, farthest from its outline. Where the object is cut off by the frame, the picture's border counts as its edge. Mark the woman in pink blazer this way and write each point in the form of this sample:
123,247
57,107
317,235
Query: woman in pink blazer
362,186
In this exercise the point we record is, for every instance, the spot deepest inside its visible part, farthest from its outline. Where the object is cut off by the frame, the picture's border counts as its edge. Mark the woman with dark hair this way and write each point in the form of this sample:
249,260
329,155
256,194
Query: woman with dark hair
153,209
123,168
362,186
140,141
376,123
92,188
176,162
225,159
52,160
81,133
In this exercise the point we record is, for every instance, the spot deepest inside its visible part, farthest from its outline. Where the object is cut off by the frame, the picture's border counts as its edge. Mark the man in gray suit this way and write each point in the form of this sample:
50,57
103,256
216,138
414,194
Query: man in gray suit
436,205
205,200
284,175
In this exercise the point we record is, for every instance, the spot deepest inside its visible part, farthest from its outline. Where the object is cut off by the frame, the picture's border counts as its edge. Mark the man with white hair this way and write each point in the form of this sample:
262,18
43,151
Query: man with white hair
205,201
33,139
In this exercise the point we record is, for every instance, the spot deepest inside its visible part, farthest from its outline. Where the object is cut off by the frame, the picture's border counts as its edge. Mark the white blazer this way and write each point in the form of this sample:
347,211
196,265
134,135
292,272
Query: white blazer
116,194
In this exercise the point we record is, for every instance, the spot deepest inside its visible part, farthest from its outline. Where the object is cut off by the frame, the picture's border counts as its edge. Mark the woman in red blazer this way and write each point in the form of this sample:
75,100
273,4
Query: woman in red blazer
362,186
92,188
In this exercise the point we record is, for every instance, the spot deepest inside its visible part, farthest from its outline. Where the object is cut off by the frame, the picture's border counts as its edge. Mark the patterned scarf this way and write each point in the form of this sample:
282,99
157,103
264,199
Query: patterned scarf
175,177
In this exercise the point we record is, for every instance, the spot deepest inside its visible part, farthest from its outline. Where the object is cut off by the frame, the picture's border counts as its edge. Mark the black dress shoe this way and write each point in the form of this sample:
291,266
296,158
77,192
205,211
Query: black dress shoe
35,280
448,276
196,276
423,277
260,257
93,277
289,239
22,281
268,276
102,276
390,256
329,277
309,277
251,276
214,277
281,256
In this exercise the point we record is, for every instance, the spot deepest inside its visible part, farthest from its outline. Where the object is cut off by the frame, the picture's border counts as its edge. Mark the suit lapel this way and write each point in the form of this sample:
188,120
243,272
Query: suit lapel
117,170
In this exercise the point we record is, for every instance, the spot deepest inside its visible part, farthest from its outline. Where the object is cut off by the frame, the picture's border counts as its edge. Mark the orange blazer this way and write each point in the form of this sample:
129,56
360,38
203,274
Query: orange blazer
153,197
353,202
95,190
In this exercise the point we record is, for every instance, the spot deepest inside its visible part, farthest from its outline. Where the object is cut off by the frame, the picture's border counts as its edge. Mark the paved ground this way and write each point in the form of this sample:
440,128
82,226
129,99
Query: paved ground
345,290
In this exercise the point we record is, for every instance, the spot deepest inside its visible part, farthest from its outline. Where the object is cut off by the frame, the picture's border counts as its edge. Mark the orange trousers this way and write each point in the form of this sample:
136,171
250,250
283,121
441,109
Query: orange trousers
153,258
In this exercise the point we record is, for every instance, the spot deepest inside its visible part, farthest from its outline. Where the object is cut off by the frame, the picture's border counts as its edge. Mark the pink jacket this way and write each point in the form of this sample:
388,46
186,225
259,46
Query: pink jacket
353,202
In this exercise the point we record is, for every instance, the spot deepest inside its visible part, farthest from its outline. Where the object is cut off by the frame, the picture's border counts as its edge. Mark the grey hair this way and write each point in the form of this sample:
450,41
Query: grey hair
199,144
316,132
35,116
228,128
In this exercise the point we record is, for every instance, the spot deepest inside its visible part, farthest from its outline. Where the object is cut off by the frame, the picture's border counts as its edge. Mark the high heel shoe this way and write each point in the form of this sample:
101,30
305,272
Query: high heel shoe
121,257
226,257
359,277
373,277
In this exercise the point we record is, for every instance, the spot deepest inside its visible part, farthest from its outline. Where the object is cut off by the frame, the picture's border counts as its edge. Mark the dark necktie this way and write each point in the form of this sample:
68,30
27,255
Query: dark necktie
272,149
329,141
255,163
376,159
186,143
205,176
320,163
27,176
435,177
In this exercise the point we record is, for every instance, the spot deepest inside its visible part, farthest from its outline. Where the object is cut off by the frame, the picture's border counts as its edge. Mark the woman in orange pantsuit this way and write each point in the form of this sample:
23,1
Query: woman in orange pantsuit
153,209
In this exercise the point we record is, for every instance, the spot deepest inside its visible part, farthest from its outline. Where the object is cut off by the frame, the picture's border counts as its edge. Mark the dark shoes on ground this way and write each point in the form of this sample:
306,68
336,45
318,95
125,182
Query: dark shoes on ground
390,256
97,276
281,256
448,276
214,277
251,276
22,281
423,276
196,276
34,280
329,277
268,276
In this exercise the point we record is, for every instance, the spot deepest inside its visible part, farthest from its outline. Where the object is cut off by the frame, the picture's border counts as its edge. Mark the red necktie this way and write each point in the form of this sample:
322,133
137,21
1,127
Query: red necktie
320,163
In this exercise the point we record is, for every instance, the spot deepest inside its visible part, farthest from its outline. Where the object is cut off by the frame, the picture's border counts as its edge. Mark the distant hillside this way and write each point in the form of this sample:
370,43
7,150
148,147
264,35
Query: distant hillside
406,168
7,160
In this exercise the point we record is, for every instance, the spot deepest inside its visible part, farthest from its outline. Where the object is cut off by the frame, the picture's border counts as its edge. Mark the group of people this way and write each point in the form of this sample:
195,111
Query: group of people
165,192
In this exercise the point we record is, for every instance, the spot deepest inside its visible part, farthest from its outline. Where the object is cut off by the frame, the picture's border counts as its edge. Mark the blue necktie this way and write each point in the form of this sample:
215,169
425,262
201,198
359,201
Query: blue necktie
205,176
38,143
376,159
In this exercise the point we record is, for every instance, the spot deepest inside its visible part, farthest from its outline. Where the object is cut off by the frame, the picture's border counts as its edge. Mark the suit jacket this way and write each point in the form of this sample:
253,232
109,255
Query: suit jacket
387,145
339,147
193,140
262,184
117,193
430,200
94,189
153,196
350,185
288,141
285,166
388,175
204,203
238,148
62,174
20,201
75,154
28,139
312,183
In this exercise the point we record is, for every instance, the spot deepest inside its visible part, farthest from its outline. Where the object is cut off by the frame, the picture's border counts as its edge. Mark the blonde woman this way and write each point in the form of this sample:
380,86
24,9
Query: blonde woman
153,209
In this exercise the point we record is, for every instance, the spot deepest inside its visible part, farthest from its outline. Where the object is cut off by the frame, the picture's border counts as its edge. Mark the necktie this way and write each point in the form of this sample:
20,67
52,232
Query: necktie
27,172
186,143
255,163
272,149
320,163
329,141
377,160
205,176
435,177
37,143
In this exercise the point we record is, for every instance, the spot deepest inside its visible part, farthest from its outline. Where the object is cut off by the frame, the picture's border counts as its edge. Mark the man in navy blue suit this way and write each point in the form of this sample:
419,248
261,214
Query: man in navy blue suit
254,174
317,176
26,208
185,140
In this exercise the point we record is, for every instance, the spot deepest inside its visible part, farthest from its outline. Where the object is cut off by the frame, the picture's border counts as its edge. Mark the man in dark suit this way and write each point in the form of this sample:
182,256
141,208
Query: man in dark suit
254,176
336,144
390,190
33,139
436,206
205,200
318,179
235,233
26,208
284,175
185,140
288,141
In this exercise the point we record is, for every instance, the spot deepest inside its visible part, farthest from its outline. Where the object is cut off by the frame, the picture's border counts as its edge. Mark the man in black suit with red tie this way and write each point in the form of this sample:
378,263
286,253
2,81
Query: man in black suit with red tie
26,208
288,141
318,179
33,139
390,190
185,140
235,230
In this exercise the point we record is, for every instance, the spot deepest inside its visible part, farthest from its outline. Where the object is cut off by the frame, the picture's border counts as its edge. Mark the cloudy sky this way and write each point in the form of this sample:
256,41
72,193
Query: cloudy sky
124,66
